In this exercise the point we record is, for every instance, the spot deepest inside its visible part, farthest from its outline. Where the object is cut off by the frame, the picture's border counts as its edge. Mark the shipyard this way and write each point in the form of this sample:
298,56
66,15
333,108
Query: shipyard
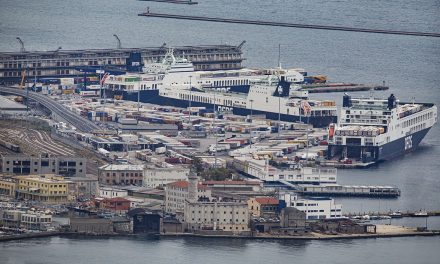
211,132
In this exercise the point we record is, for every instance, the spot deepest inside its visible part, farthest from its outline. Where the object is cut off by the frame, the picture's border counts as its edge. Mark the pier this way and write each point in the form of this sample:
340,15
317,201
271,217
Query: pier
182,2
291,25
332,88
347,190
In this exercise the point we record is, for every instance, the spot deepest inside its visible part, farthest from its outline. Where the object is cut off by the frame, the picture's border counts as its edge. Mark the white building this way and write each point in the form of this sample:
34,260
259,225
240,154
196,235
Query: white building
110,192
314,207
35,220
159,177
263,171
177,192
212,215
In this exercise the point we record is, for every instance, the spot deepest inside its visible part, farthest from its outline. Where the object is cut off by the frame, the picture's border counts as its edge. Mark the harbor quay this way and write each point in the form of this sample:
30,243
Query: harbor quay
185,149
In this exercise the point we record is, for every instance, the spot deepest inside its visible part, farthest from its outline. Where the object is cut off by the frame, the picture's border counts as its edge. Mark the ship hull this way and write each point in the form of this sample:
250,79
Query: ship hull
402,145
385,152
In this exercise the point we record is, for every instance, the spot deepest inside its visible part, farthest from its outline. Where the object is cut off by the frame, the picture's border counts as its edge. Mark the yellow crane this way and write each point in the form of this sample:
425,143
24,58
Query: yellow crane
23,79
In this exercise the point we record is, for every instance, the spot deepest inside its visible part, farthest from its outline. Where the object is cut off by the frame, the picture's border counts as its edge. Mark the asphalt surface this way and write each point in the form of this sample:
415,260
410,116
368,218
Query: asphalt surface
72,118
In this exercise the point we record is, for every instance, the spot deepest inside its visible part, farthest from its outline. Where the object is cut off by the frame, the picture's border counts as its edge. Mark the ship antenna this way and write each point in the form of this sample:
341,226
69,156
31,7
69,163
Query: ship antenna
413,99
279,56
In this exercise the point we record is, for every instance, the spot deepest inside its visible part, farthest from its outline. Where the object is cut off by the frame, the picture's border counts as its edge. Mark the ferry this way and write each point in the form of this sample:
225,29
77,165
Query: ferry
178,72
243,92
372,129
271,96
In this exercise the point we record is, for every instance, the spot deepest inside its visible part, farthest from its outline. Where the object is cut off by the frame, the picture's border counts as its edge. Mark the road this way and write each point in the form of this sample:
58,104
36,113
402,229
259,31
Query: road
72,118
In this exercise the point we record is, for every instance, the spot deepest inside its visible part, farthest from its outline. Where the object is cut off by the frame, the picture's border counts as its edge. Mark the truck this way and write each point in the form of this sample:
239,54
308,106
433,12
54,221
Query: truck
160,150
104,152
220,147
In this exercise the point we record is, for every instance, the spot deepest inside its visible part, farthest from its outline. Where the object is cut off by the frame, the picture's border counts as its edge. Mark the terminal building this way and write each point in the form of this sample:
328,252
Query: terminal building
71,63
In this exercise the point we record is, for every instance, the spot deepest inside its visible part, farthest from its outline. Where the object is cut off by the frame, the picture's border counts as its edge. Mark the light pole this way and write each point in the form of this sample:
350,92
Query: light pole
216,132
280,90
139,92
189,102
250,127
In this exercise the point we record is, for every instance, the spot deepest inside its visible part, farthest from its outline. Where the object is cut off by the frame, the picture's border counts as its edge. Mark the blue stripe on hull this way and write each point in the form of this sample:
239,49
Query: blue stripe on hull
401,146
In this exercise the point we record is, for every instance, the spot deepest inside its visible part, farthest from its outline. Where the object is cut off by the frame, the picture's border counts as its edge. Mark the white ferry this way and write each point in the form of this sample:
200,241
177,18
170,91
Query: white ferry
175,72
373,130
174,82
271,96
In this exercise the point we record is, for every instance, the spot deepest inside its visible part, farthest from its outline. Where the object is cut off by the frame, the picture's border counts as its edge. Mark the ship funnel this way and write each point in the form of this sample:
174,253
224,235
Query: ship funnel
391,102
346,100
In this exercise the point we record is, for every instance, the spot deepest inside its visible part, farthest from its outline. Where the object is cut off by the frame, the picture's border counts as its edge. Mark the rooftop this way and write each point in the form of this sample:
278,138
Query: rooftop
184,184
231,183
6,104
116,199
267,200
122,167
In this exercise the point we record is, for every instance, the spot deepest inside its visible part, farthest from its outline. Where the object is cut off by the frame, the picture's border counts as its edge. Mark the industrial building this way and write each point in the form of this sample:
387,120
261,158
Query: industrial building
71,63
116,174
44,164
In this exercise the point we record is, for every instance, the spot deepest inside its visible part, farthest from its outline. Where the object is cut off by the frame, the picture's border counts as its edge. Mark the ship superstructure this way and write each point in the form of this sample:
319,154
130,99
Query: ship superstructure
372,129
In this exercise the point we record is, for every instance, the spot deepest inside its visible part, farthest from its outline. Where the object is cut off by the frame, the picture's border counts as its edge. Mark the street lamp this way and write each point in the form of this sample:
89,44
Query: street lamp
250,128
22,49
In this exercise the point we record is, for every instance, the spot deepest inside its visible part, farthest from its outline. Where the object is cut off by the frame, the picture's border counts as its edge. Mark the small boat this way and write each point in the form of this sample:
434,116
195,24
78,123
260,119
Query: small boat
397,214
421,213
385,217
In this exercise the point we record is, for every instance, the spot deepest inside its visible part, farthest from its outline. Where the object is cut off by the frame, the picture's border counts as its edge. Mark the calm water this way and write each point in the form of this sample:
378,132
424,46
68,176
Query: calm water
189,250
409,65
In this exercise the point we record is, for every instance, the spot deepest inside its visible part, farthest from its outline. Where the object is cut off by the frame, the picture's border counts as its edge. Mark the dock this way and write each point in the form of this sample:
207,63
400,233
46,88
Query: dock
331,88
291,25
182,2
348,190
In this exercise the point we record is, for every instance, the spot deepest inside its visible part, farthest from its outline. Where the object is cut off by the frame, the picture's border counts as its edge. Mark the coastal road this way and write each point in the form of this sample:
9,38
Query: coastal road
72,118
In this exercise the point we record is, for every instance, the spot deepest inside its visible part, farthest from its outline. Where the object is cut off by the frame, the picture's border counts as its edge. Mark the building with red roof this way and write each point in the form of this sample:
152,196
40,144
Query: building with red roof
116,204
177,192
263,206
